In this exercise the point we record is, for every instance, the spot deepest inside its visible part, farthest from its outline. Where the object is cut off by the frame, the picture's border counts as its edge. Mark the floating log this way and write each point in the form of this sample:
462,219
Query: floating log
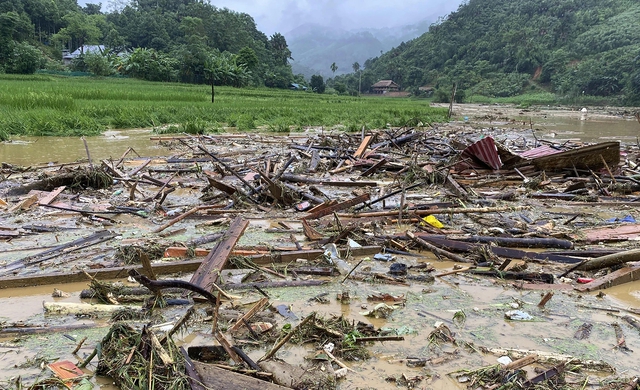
512,242
610,260
438,251
528,276
455,245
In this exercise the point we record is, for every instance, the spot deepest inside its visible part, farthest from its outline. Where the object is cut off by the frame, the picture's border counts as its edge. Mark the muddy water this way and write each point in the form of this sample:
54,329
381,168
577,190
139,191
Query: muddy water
597,125
28,151
590,129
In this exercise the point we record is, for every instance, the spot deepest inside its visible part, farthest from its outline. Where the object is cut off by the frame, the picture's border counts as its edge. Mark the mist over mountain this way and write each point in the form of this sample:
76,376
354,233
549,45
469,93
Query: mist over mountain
315,47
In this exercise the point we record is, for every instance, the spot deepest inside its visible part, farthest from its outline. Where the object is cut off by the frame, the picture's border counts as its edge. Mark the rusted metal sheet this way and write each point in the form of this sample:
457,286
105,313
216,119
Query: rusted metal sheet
65,370
486,151
588,157
617,233
540,151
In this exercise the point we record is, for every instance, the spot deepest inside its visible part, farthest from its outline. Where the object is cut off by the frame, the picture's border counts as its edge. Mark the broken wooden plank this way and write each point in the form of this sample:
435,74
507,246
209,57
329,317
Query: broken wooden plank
374,168
217,184
621,276
253,311
195,381
337,207
51,196
366,141
218,378
208,273
311,233
24,203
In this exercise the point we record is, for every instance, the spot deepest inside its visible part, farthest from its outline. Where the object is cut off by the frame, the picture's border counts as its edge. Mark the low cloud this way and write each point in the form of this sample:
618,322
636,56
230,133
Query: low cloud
283,16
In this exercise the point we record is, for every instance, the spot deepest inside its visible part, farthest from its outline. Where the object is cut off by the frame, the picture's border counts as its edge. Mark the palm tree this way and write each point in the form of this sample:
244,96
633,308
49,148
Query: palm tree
334,67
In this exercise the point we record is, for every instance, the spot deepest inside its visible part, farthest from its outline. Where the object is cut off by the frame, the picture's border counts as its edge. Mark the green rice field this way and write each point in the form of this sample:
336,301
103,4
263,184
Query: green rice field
41,105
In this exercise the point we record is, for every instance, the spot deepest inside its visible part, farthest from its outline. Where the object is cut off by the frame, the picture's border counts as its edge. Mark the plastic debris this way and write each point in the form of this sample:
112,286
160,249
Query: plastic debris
518,315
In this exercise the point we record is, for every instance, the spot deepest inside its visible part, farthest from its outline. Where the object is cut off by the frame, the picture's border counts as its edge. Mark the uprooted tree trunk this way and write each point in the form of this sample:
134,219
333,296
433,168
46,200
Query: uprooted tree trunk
77,179
610,260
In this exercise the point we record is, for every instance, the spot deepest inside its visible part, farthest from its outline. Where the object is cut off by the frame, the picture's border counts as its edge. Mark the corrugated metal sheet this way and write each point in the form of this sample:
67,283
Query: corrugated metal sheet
486,151
540,151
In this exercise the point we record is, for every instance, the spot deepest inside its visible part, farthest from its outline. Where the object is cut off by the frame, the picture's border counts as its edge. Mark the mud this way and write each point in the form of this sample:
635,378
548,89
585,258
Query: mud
483,300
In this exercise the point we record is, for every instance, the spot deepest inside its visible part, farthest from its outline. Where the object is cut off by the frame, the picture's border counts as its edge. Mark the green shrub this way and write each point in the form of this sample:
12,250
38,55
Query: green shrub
25,59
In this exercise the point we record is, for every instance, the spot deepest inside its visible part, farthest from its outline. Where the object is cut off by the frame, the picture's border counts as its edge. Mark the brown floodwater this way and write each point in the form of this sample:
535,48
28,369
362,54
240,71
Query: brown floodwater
548,124
28,151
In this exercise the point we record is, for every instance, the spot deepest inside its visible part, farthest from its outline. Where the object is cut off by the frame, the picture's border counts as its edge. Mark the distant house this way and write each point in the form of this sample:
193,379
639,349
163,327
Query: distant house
297,87
384,86
67,58
427,90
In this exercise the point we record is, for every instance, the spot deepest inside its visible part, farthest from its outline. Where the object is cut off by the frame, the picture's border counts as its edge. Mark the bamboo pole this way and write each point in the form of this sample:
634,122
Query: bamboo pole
287,337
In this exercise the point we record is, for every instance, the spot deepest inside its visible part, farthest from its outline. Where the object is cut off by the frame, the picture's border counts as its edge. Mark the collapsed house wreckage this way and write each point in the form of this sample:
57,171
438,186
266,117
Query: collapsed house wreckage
327,212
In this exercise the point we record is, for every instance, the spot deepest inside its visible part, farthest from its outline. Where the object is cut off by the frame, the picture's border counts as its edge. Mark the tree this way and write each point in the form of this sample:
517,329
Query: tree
334,67
92,9
99,64
81,28
247,57
280,50
356,69
317,84
26,59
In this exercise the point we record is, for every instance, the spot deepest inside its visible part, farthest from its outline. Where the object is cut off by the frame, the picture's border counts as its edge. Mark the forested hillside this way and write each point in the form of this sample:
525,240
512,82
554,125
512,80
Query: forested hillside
159,40
507,47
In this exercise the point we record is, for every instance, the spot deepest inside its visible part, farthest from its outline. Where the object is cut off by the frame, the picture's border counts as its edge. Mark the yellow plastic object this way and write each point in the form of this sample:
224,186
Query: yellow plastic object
433,221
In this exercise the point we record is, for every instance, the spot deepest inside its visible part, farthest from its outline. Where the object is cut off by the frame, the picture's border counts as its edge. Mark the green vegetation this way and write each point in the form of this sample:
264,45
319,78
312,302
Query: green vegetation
40,105
575,50
188,41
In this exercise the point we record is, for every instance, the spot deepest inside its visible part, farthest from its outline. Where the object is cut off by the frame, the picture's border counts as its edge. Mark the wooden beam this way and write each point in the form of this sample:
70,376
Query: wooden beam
621,276
337,207
363,146
209,272
51,196
164,268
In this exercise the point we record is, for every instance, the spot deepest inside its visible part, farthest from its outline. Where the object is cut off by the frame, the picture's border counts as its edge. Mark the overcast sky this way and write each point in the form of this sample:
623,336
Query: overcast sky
284,15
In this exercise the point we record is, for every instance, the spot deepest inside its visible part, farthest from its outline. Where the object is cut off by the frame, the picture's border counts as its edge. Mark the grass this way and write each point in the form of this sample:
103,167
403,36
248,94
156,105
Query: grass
41,105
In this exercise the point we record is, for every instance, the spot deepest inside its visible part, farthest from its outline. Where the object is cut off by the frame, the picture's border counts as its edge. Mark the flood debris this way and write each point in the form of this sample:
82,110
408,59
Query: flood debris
326,242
